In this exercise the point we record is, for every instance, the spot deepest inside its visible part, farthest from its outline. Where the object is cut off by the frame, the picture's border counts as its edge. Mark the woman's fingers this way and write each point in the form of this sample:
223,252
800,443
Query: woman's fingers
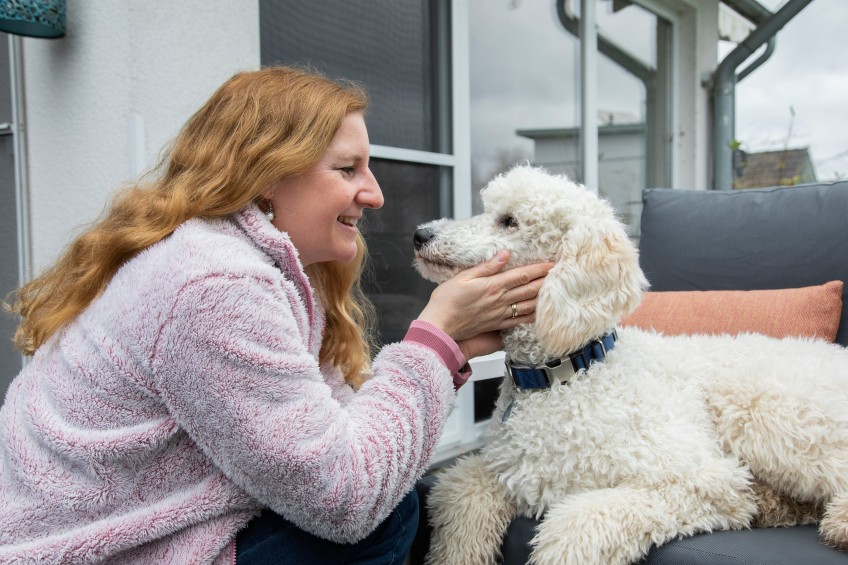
490,267
523,293
520,309
523,276
480,299
509,323
512,294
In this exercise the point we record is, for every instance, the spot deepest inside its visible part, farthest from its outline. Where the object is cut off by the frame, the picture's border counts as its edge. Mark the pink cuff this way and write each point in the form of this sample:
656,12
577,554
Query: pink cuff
428,335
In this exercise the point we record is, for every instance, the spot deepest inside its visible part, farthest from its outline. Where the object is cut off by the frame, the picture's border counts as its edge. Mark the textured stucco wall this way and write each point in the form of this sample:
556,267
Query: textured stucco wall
102,101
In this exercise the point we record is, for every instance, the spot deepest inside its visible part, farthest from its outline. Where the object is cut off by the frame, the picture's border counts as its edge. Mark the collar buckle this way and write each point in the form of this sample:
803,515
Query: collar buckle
562,370
543,375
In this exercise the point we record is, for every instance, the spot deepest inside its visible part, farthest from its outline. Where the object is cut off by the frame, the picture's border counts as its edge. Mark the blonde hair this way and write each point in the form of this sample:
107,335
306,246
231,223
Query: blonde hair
257,128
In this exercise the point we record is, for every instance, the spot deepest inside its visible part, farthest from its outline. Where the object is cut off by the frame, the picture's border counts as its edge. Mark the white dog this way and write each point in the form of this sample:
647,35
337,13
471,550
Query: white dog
658,437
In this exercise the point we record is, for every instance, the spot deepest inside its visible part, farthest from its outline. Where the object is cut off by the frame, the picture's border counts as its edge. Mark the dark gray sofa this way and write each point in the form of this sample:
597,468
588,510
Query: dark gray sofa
784,237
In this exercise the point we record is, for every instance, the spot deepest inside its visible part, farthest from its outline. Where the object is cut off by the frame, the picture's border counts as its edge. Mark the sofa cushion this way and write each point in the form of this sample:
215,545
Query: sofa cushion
812,311
787,237
761,546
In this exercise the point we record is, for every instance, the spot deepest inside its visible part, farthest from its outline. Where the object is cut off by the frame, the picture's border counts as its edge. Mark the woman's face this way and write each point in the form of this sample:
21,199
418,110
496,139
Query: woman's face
319,208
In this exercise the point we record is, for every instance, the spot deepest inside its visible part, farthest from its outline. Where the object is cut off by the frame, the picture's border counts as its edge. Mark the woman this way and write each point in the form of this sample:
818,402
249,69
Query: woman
198,355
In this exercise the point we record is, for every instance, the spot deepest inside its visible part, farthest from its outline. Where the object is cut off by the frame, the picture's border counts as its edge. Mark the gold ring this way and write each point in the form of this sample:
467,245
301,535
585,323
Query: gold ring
515,310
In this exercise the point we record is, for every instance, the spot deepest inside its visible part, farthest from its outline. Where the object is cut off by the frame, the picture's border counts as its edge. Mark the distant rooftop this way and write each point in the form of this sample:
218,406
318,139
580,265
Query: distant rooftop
786,167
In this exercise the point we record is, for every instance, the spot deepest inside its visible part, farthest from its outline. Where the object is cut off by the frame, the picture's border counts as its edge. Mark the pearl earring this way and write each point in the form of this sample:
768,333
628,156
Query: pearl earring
269,213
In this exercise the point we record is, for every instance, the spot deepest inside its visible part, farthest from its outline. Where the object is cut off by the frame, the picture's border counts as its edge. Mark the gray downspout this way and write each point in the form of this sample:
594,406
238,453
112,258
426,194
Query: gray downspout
19,131
724,89
20,154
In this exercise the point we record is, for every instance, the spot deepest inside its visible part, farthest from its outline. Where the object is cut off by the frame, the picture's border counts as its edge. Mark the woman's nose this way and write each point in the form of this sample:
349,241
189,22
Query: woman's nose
371,196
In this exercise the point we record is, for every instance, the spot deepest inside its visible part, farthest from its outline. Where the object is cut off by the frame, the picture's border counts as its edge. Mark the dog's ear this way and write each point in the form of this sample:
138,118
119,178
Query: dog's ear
595,282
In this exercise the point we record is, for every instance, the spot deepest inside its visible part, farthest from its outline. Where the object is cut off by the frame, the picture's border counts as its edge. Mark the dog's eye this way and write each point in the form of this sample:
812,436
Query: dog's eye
508,221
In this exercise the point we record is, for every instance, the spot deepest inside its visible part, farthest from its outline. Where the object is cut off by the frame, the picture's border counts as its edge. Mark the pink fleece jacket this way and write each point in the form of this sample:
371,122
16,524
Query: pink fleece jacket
189,395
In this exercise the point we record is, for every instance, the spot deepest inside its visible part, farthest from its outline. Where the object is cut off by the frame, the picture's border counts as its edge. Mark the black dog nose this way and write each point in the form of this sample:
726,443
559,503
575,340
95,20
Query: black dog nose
422,236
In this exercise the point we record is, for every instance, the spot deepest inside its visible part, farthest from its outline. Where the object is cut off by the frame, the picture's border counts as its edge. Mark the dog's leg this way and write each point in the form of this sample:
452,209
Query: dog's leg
777,510
604,527
618,526
793,433
833,528
789,441
469,512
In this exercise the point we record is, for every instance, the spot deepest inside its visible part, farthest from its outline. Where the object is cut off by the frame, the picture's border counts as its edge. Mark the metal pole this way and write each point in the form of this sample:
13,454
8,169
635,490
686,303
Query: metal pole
20,155
589,92
21,173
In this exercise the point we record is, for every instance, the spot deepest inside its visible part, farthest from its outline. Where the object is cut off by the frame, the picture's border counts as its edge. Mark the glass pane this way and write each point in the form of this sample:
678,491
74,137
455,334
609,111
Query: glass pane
522,111
412,196
790,112
522,71
10,358
632,138
397,48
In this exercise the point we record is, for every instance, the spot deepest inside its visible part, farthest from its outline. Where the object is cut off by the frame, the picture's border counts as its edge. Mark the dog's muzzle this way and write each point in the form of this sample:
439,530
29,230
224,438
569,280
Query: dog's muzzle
562,370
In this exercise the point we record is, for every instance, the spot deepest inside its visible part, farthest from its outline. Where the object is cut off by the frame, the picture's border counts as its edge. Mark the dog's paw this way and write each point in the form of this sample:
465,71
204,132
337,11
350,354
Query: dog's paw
833,528
469,513
777,510
600,528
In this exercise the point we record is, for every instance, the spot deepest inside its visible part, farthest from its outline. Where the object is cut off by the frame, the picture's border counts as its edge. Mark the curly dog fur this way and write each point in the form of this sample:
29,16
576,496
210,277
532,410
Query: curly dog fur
669,436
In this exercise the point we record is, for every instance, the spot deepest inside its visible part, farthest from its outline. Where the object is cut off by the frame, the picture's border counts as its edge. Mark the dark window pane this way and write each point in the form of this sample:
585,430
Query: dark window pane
413,194
397,48
486,393
10,358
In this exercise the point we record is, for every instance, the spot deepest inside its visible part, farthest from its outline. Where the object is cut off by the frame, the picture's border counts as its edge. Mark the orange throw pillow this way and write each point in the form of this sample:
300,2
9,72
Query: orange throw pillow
812,311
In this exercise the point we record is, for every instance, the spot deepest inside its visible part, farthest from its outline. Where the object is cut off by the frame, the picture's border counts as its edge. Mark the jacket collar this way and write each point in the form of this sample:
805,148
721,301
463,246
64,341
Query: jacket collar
275,243
278,246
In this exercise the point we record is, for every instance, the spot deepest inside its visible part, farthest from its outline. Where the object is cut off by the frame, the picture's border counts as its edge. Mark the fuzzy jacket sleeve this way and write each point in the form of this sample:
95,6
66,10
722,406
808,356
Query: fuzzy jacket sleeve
232,365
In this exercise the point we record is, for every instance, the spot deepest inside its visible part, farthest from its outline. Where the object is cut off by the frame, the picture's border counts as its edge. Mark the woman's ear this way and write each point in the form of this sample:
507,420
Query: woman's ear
268,193
596,282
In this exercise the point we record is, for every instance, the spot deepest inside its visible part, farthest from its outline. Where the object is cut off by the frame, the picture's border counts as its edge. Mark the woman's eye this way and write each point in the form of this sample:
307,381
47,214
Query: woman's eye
347,170
508,221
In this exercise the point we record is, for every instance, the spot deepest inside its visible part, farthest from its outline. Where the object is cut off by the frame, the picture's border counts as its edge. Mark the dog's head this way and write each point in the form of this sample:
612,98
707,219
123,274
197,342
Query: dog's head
541,217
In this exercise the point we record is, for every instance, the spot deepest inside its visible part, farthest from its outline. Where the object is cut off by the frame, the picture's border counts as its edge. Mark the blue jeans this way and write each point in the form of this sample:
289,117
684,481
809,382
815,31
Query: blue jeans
271,539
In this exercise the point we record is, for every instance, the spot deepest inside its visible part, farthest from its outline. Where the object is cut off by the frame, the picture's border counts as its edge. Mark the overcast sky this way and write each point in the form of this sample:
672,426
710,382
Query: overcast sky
523,75
807,73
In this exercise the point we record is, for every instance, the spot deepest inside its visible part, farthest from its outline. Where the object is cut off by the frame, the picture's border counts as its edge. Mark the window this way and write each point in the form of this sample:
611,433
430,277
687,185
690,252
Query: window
531,112
400,50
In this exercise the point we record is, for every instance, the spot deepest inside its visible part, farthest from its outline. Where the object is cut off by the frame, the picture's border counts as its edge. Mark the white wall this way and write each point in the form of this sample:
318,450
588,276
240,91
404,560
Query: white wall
102,101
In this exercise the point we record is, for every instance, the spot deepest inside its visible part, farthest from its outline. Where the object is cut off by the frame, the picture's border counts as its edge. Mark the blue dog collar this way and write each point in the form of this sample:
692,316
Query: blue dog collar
530,377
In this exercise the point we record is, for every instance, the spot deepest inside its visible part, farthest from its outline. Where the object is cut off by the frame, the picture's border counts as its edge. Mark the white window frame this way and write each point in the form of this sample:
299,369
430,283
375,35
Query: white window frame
461,434
458,435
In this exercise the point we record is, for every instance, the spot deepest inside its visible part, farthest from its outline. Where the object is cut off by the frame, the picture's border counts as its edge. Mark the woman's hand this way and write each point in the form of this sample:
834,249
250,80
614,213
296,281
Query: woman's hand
478,302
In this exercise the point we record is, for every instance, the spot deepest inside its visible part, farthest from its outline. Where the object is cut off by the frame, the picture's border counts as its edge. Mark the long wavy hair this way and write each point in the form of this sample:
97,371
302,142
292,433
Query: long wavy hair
257,128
